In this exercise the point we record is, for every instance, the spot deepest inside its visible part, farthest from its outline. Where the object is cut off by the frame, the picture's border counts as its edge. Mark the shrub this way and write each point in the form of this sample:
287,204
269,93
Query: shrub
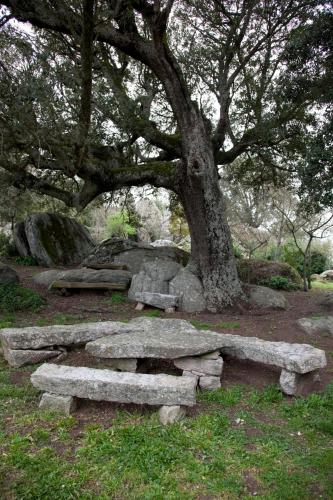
254,271
292,256
26,261
14,297
7,247
278,283
119,225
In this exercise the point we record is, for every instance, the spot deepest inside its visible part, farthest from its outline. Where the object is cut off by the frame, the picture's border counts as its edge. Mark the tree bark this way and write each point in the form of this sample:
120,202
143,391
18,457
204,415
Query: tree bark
204,207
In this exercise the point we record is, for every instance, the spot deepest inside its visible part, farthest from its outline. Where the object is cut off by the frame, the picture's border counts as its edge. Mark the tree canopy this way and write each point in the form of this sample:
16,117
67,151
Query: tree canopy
100,94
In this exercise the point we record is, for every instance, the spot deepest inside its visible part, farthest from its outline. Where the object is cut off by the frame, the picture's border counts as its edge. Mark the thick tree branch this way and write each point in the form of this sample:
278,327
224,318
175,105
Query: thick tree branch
87,39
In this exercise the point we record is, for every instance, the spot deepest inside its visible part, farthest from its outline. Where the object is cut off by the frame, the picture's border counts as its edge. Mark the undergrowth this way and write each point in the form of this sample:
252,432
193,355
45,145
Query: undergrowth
14,297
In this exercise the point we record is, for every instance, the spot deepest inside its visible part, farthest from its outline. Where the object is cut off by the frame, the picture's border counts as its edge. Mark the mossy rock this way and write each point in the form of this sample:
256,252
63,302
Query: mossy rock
254,271
57,240
133,254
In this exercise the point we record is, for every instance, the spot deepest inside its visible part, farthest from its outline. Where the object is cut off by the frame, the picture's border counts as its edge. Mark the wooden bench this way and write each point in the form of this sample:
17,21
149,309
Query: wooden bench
79,285
119,267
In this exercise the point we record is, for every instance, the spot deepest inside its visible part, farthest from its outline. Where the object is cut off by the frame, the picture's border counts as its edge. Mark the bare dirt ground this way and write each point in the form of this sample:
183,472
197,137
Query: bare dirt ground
270,325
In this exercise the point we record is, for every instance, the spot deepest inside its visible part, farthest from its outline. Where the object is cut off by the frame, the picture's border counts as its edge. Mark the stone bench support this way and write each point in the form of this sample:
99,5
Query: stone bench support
57,402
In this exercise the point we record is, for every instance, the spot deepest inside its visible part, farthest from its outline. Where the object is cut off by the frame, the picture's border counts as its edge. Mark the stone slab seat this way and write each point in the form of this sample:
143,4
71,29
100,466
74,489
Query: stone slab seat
299,358
121,387
38,337
159,343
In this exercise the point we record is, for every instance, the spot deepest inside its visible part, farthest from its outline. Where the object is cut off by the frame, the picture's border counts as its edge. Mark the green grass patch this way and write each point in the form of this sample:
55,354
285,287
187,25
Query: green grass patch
62,319
154,313
201,325
14,297
7,321
227,324
116,299
243,442
26,261
322,285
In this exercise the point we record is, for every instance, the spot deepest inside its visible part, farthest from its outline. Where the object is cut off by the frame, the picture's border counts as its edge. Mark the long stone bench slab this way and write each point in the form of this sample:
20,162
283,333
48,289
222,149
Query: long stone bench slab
155,343
37,337
299,358
121,387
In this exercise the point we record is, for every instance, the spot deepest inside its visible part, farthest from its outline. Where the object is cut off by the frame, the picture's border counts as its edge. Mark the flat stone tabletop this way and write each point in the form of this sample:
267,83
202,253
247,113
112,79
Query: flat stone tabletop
156,343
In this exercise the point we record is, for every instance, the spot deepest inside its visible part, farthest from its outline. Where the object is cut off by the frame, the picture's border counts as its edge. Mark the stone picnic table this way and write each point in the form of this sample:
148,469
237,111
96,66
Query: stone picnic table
198,353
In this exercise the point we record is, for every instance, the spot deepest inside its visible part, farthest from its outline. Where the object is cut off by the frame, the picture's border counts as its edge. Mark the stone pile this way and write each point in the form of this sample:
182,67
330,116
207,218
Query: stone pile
133,254
162,282
207,369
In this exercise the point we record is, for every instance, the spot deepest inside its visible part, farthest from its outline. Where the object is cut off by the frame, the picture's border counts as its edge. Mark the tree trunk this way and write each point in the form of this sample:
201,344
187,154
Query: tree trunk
204,208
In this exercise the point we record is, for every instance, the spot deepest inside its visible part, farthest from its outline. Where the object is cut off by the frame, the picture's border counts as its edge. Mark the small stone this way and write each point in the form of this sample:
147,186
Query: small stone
124,365
8,275
140,306
57,402
190,374
288,382
17,357
209,383
160,300
266,298
312,326
198,364
170,414
169,310
211,355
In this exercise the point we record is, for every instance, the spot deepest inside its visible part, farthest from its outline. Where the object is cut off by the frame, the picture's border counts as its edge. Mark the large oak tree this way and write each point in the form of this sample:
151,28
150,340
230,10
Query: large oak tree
114,93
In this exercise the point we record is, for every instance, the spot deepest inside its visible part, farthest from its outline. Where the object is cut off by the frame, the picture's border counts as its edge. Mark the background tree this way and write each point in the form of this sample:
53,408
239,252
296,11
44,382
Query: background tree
304,227
107,94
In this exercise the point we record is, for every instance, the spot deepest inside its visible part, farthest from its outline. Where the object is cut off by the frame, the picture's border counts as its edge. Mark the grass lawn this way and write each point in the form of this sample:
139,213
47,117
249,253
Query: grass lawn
238,443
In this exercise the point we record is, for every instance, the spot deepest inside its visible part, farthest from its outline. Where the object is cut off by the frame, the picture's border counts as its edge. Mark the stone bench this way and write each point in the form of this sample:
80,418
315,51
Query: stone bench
294,359
35,344
68,382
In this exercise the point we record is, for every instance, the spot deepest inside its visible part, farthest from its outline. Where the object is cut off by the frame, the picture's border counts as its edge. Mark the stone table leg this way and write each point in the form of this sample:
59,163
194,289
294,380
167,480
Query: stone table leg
170,414
288,382
57,402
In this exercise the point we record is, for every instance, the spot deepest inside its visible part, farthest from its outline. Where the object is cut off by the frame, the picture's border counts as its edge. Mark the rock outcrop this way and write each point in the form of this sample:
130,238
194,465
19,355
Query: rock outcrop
132,254
190,291
266,298
168,278
53,239
8,275
314,326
